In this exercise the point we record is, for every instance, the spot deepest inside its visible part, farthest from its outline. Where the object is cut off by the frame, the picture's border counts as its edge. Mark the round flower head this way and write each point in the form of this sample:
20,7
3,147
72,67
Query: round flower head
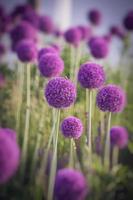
119,136
117,31
11,133
69,185
72,127
94,16
9,157
51,65
73,36
99,47
26,50
111,98
91,75
85,32
46,24
46,50
31,17
128,21
23,30
60,92
20,9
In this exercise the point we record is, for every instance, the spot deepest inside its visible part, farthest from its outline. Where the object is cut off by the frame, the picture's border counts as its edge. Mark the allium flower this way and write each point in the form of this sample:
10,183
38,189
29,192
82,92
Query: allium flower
31,17
26,50
46,24
99,47
69,185
117,31
9,157
72,127
119,136
91,75
46,50
11,133
19,10
23,30
111,98
94,16
60,92
5,22
85,32
56,47
73,36
51,65
128,21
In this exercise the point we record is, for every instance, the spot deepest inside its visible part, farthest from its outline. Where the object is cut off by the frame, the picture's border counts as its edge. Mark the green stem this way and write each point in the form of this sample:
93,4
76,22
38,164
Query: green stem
71,163
115,155
107,144
54,162
27,122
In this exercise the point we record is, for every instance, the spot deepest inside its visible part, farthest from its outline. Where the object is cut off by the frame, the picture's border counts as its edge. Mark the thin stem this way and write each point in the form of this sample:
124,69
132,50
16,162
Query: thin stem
115,155
27,122
71,61
71,163
107,144
54,162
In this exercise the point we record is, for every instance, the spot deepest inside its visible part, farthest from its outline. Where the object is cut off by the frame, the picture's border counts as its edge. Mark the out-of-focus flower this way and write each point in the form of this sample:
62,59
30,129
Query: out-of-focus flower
111,98
72,127
26,50
46,24
85,32
128,21
99,47
91,75
73,36
60,92
9,157
119,136
46,50
69,185
95,16
118,31
51,65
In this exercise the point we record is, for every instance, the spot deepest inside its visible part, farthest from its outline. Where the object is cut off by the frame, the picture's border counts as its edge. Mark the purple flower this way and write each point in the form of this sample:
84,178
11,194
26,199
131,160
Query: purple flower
26,50
51,65
11,133
119,136
60,92
5,23
117,31
9,157
72,127
99,47
19,10
111,98
31,17
73,36
94,16
85,32
23,30
46,24
46,50
128,21
70,185
91,75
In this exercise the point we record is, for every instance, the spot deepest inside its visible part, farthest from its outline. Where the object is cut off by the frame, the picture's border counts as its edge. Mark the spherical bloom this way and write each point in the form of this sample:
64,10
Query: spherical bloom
23,30
11,133
46,50
60,92
128,21
72,127
119,136
5,23
111,98
46,24
26,50
95,16
51,65
85,32
9,157
69,185
99,47
91,75
31,17
117,31
73,36
19,10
